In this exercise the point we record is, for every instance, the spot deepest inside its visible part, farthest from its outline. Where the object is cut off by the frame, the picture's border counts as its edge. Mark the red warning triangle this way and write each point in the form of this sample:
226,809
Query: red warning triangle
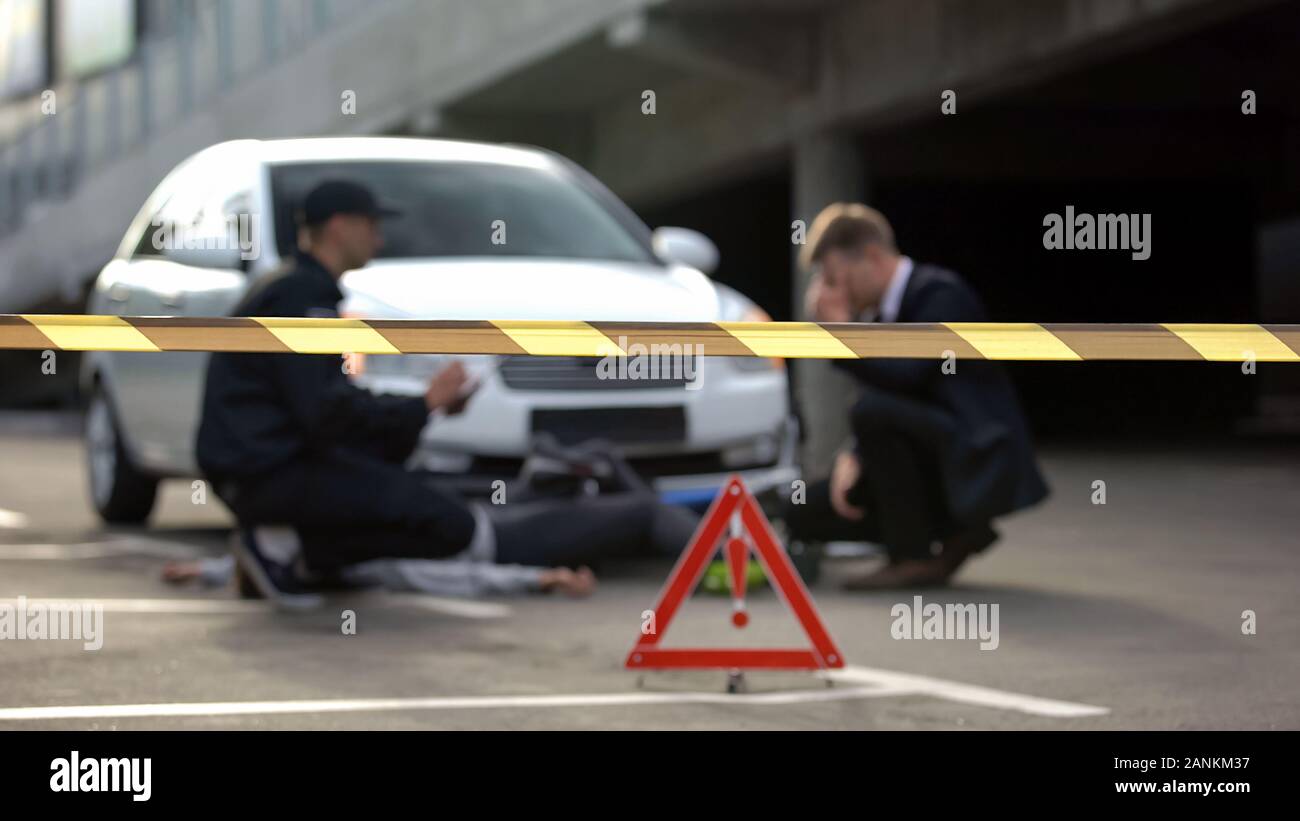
734,498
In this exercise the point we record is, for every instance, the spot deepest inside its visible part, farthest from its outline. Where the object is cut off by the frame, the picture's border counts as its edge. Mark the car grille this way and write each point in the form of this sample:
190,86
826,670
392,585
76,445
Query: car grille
639,426
573,373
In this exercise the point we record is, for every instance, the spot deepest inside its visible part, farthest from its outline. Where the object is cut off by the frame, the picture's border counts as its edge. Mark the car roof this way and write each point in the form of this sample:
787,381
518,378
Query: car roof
367,149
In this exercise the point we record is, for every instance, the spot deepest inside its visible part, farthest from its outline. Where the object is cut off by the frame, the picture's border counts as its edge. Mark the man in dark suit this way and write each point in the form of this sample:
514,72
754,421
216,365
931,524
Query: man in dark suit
938,453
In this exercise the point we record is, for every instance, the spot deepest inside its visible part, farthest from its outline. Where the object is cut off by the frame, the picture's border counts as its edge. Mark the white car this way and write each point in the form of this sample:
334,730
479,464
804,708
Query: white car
486,232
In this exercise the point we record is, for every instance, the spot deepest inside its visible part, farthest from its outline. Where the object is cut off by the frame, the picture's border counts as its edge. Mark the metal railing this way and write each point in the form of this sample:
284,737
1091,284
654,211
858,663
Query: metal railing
210,46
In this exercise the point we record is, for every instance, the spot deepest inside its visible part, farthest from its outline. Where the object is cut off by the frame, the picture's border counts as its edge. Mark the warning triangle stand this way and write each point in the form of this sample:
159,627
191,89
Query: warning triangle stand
735,505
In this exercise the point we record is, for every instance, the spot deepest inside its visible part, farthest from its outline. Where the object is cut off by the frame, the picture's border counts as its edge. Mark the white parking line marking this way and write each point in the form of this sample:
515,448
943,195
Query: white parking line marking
451,607
965,693
12,519
228,708
49,551
868,683
156,606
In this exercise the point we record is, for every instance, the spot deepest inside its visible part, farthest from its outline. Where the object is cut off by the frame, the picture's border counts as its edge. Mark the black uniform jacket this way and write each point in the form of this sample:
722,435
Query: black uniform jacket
263,410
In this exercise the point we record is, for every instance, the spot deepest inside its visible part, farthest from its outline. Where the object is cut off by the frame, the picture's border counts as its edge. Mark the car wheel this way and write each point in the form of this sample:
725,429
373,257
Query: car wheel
121,494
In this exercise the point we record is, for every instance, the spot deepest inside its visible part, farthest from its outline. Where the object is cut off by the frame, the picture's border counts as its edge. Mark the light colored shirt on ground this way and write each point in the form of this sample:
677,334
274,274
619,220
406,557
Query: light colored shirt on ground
470,573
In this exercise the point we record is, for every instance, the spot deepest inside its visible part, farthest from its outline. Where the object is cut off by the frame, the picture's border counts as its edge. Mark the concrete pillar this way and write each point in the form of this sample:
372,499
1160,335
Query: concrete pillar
827,167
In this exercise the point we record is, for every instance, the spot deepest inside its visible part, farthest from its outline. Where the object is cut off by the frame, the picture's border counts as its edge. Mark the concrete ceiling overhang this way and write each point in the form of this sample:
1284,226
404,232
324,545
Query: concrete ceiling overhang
764,45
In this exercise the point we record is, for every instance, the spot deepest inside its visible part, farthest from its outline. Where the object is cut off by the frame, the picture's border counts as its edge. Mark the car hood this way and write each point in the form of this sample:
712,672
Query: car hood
529,288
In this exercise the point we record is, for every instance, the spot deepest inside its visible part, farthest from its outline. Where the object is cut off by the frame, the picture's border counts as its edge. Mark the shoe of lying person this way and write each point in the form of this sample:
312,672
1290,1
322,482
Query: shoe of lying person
276,581
551,465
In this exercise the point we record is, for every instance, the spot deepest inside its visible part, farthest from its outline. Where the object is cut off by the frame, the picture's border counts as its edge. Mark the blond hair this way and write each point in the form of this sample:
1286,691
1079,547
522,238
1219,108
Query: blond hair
845,226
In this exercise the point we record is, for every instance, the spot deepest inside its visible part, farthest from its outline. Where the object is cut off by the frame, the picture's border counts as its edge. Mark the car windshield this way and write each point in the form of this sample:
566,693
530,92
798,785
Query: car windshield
460,209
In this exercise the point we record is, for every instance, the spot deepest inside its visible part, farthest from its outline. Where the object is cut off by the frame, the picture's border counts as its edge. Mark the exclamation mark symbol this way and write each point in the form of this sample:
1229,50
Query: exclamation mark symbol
737,563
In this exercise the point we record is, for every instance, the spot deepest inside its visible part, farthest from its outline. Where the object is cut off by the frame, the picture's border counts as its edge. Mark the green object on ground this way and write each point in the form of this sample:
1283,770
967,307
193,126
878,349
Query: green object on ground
717,579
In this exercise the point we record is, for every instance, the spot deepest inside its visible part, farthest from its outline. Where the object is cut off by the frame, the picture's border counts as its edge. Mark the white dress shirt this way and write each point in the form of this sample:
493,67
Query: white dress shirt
892,301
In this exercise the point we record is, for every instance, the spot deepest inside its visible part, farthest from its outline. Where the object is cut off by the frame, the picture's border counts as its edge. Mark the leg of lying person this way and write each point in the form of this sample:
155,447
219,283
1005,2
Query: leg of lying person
527,546
347,510
582,530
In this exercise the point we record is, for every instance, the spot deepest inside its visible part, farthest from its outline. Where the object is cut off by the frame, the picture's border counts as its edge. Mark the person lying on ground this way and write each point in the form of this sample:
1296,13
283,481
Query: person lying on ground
432,576
572,507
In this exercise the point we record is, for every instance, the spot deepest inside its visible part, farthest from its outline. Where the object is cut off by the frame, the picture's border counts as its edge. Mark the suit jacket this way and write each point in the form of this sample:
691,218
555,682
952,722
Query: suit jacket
986,456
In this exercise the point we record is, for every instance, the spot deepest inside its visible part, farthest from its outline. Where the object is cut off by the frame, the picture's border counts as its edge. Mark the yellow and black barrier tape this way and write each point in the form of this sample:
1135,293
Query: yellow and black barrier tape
792,340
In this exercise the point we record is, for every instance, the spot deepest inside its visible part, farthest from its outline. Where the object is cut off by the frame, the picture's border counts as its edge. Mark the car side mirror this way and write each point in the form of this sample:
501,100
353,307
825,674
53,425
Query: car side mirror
686,247
205,247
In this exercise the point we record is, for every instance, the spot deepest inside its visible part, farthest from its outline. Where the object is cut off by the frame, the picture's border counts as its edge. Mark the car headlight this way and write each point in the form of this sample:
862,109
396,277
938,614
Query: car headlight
417,366
411,365
437,461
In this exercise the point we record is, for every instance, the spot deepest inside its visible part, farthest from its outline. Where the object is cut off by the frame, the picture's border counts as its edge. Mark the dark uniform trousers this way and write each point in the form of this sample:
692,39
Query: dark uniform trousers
349,507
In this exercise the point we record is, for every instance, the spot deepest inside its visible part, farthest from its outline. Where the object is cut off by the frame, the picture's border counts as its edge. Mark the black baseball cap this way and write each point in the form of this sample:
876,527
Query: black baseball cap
341,197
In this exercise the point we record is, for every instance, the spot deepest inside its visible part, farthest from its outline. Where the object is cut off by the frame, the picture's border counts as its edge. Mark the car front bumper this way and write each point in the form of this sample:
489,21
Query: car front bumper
733,422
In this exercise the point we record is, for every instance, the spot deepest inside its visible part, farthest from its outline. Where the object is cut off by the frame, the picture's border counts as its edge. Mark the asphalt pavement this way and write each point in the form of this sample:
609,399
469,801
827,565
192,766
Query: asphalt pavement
1127,614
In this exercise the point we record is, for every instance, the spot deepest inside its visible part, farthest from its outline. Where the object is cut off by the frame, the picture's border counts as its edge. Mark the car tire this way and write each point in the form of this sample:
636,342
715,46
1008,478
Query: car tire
120,493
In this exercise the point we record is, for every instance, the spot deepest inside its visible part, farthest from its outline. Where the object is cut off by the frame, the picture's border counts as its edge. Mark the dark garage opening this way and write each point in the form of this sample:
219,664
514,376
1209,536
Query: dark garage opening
1160,132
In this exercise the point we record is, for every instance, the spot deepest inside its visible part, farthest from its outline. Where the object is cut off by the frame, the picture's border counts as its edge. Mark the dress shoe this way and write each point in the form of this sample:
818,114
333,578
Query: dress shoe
975,539
931,572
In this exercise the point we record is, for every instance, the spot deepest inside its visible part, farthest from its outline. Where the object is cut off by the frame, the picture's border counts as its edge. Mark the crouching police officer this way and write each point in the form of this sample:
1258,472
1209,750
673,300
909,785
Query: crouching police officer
286,438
